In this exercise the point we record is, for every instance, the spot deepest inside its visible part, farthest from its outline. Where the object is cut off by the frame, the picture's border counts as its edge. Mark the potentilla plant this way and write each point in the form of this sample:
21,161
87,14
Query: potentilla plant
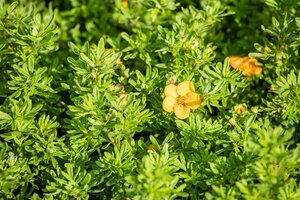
157,99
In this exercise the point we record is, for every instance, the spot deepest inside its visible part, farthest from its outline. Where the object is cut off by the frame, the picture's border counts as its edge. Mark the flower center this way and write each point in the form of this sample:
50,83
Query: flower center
181,100
191,99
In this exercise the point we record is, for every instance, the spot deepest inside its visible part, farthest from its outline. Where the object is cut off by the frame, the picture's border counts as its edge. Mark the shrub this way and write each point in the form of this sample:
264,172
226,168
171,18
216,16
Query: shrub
82,86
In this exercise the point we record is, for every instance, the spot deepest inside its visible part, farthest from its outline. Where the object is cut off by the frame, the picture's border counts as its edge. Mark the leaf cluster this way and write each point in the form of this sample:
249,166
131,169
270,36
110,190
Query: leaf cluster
81,91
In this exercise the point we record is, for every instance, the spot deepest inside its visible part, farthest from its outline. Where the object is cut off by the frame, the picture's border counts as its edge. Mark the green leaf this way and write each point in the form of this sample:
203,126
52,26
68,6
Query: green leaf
272,3
155,143
5,117
87,60
74,48
250,122
218,87
100,48
12,7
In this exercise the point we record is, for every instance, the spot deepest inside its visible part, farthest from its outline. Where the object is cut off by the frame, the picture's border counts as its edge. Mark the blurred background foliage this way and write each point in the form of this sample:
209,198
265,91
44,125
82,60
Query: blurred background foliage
81,88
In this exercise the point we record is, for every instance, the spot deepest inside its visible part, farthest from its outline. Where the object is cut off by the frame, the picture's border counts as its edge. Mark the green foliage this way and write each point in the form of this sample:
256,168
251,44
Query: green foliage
156,176
81,91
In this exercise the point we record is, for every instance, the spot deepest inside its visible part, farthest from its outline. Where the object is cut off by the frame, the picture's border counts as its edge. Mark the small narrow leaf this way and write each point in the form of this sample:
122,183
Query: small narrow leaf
87,60
100,48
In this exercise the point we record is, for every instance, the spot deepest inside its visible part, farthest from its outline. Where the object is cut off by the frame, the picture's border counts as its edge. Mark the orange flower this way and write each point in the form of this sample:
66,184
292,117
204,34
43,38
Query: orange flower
245,64
181,99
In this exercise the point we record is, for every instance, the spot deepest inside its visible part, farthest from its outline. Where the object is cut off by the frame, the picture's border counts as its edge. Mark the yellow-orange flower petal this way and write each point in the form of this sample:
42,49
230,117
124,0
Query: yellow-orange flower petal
245,64
185,87
252,71
181,111
169,103
237,62
171,90
192,99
